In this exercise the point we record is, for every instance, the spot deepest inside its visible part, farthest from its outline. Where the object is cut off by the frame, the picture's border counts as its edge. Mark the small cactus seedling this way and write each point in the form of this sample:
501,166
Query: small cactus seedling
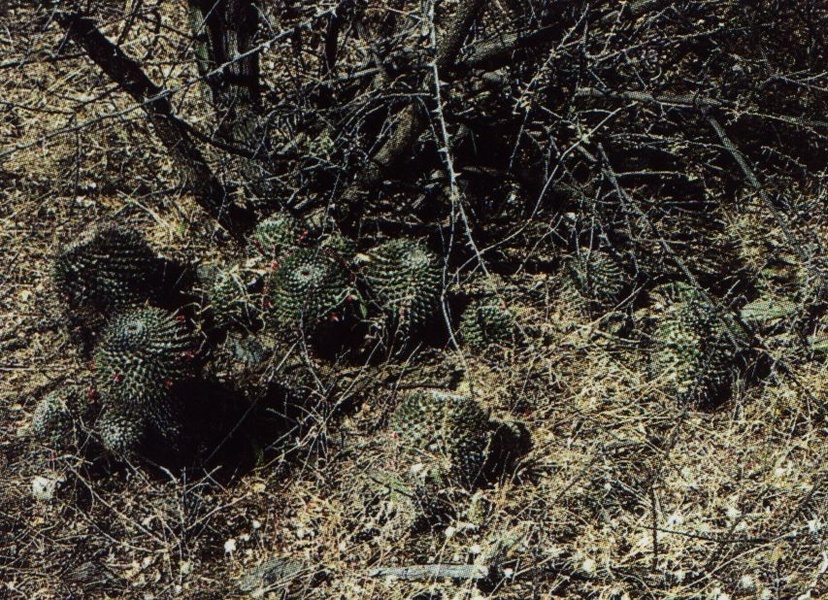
279,235
597,277
404,279
142,354
108,269
53,420
694,350
308,287
450,428
486,322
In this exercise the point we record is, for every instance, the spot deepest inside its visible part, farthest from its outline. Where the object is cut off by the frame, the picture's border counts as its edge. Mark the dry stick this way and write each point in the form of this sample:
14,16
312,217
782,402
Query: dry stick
445,151
174,134
694,101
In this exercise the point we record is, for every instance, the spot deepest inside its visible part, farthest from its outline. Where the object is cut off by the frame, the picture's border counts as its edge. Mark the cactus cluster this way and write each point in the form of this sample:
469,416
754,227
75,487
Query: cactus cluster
279,235
404,279
108,269
597,277
451,429
486,322
693,349
142,354
308,287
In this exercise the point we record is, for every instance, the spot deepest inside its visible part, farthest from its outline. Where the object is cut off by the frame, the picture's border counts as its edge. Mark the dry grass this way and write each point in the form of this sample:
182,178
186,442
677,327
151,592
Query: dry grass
623,494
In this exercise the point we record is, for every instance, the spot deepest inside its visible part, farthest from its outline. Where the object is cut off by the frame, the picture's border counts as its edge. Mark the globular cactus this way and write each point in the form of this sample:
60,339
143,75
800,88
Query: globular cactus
55,416
405,281
448,430
107,269
309,286
280,234
597,277
121,430
340,245
486,322
694,350
142,354
229,302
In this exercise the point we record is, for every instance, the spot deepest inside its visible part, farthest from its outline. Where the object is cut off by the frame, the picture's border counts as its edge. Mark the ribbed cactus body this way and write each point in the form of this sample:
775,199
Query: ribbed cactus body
280,234
597,277
229,302
121,430
53,420
405,281
693,354
107,269
486,322
142,355
309,286
449,428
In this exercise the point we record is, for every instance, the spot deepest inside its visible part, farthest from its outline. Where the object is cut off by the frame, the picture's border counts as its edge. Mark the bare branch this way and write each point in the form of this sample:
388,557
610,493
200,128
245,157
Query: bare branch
173,133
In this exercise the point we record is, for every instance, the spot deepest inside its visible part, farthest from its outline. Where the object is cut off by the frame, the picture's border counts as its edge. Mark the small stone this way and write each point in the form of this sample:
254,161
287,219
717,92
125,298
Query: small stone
43,488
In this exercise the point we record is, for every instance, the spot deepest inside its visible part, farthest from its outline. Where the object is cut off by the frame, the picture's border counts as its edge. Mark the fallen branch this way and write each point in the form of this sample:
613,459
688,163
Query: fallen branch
412,122
435,571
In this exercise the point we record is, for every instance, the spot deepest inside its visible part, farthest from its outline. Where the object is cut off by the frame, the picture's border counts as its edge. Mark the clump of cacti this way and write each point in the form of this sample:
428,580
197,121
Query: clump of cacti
308,287
405,281
55,416
143,353
109,268
449,432
486,322
597,277
280,234
694,346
